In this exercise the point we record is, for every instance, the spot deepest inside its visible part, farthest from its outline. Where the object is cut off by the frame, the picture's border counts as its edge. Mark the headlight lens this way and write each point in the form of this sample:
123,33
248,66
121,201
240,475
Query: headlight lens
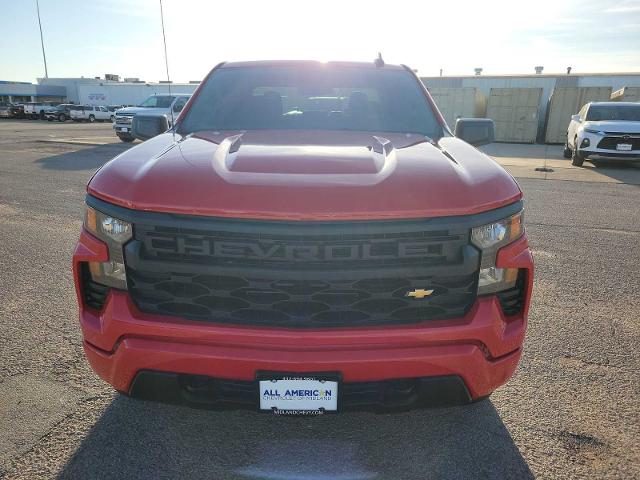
592,130
118,230
490,238
115,233
495,235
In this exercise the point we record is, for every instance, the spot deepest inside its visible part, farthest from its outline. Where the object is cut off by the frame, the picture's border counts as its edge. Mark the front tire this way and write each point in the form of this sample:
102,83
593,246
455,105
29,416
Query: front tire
577,159
125,138
62,117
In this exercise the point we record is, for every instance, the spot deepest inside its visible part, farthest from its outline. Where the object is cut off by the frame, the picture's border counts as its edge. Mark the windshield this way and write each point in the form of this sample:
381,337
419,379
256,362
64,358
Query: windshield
312,98
156,101
618,112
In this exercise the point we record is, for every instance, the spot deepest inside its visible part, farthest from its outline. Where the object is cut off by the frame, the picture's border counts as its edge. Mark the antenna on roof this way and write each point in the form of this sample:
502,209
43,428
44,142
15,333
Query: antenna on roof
379,62
166,64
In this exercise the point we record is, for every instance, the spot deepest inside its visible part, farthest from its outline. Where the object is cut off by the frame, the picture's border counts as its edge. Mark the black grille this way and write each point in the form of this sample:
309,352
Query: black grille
312,303
512,300
311,274
611,143
93,293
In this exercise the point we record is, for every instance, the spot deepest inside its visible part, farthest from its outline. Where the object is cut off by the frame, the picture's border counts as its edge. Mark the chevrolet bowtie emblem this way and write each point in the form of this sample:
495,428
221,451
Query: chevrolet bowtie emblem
419,293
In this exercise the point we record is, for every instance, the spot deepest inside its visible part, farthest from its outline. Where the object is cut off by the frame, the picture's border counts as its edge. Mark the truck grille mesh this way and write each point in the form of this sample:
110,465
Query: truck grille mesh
309,303
302,275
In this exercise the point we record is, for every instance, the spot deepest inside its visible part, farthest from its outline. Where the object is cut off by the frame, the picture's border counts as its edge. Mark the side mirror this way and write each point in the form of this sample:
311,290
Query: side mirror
576,117
476,131
144,127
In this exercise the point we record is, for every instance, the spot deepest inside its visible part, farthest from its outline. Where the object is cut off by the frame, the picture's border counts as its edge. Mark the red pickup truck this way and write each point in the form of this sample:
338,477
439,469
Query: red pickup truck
307,237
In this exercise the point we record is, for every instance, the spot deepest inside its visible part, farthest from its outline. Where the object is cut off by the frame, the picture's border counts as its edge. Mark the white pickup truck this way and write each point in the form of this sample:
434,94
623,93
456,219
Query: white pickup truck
90,113
162,104
35,110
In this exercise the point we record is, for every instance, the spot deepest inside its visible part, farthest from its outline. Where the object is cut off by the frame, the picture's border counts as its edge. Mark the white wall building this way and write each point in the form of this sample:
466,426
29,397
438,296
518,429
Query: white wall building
92,91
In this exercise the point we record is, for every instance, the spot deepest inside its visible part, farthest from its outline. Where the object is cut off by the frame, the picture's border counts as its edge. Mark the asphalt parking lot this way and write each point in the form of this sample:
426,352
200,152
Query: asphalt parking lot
571,411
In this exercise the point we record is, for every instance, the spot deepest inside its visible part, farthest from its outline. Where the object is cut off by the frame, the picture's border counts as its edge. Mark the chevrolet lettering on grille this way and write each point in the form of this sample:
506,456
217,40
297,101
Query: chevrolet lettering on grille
198,246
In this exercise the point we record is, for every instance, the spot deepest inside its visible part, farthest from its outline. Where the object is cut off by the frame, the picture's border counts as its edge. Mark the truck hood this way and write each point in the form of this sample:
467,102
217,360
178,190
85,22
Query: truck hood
614,126
305,175
143,110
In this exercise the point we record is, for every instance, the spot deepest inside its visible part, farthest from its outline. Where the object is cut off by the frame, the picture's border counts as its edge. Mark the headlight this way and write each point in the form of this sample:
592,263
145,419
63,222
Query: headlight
115,233
591,130
490,238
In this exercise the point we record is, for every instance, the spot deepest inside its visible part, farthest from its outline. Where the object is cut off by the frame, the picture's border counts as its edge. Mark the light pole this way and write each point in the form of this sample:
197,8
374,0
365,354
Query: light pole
46,72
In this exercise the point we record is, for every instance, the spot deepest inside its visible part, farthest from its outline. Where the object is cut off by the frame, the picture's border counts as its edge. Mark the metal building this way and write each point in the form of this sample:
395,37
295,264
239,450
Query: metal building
95,91
20,92
566,101
547,82
515,113
626,94
454,103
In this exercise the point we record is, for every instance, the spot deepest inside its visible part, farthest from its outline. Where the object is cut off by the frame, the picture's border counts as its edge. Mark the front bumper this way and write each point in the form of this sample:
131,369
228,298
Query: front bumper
594,143
629,155
482,348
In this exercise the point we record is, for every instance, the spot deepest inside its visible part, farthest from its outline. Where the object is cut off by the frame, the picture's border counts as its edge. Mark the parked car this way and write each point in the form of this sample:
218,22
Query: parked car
604,130
37,110
113,108
90,113
6,110
61,112
18,110
169,105
274,253
29,110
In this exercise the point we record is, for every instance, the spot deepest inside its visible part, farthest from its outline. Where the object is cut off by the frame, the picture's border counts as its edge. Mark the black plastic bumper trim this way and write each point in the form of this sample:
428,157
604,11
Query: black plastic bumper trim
200,391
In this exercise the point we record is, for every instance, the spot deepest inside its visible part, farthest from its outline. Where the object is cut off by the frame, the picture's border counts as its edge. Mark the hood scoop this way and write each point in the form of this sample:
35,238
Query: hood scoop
236,156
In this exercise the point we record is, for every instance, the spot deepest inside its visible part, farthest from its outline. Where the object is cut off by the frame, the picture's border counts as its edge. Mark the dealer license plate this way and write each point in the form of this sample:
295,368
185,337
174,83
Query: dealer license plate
123,129
624,147
298,394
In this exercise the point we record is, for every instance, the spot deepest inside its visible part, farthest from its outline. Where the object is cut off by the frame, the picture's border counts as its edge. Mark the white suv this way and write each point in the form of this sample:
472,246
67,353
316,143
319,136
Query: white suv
90,113
604,129
164,104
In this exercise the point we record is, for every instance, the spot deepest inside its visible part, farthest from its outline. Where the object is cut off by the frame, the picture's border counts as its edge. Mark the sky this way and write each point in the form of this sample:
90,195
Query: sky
124,37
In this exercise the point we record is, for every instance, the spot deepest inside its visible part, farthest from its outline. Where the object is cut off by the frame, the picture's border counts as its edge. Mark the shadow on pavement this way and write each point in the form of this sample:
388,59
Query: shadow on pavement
146,440
88,158
625,172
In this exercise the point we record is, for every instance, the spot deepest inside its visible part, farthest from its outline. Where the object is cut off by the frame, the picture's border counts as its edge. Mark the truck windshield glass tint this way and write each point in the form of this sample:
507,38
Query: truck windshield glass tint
322,98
